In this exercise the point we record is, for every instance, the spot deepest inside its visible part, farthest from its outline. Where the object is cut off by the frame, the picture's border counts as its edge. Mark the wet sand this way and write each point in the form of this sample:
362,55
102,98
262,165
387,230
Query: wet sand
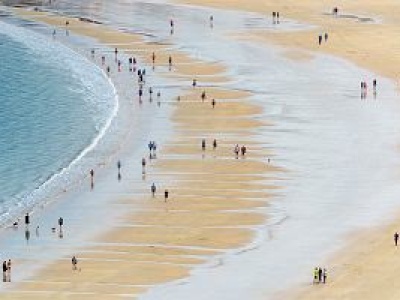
215,202
373,267
364,33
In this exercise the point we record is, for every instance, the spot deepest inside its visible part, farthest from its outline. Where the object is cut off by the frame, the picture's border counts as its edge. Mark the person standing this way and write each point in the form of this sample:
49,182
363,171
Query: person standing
143,166
315,275
116,54
153,189
203,145
170,62
243,150
237,150
60,223
324,275
213,103
119,170
215,144
92,179
9,270
166,195
172,26
319,275
320,39
396,238
27,219
203,96
4,271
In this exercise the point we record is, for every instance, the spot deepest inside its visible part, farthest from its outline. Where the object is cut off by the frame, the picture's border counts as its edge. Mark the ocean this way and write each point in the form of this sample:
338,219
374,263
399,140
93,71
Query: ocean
54,105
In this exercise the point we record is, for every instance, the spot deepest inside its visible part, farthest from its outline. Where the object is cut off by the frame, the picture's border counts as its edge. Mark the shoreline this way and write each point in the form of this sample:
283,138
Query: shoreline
167,165
221,241
51,187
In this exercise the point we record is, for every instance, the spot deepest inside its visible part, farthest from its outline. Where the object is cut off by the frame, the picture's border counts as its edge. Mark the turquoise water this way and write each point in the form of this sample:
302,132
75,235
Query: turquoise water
54,103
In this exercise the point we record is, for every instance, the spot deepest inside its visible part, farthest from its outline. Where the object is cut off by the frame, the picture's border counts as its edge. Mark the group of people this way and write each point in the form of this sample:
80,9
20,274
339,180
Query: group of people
364,88
240,150
153,190
153,60
275,17
203,144
320,275
322,37
7,271
152,149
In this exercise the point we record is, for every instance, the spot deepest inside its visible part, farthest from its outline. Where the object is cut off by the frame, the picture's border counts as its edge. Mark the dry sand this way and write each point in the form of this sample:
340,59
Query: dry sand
214,197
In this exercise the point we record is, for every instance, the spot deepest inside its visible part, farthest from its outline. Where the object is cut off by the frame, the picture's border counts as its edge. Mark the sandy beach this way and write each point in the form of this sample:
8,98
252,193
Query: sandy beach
215,198
366,268
217,203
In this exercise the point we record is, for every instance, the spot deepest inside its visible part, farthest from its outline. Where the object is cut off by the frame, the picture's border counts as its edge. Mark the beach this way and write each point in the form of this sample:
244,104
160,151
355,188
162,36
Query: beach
305,194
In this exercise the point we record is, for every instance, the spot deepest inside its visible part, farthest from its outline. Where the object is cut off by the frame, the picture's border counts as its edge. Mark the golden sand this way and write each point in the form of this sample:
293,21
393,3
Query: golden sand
214,197
368,267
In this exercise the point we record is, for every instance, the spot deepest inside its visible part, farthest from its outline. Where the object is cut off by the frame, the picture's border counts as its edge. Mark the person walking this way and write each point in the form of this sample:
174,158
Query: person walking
213,103
320,39
74,262
215,144
396,238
